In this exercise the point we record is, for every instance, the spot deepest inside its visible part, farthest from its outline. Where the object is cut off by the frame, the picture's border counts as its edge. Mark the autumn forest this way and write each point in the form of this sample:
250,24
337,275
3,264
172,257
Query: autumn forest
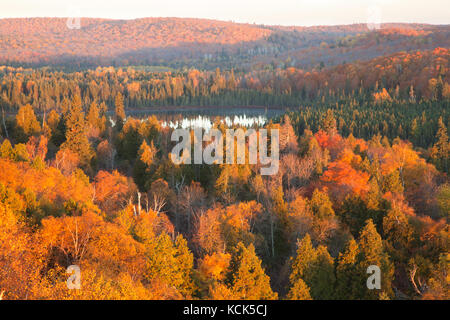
86,180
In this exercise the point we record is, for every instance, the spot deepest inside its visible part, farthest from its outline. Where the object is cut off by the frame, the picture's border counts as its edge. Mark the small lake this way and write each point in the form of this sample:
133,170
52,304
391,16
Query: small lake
204,117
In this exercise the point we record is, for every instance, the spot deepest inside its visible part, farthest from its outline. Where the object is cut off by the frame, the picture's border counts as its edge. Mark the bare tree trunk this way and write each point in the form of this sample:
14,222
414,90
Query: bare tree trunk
412,274
139,203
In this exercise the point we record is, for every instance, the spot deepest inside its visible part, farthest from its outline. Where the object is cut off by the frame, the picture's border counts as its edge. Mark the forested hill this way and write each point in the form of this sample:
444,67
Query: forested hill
205,44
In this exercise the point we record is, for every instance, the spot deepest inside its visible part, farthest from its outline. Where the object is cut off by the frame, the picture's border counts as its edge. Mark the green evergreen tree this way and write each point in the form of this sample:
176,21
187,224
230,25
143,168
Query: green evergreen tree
442,147
76,138
120,111
347,275
247,278
315,267
329,123
371,252
94,119
321,278
170,262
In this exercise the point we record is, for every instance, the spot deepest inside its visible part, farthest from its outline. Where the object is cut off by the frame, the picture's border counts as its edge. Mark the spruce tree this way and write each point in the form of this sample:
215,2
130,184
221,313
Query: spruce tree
322,279
315,267
170,262
347,275
248,280
306,255
120,111
288,138
442,147
371,252
93,117
76,138
329,123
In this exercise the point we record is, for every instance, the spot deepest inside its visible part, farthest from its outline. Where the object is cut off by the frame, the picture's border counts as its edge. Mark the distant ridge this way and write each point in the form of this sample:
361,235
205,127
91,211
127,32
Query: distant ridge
168,41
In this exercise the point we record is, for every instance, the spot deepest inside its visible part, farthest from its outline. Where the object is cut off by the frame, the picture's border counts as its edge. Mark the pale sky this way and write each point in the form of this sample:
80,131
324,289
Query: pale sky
280,12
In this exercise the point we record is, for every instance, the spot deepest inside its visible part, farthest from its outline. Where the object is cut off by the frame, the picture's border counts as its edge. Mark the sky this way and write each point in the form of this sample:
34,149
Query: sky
270,12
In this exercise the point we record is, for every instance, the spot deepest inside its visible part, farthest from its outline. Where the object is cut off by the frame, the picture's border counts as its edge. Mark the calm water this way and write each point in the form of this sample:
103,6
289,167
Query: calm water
204,117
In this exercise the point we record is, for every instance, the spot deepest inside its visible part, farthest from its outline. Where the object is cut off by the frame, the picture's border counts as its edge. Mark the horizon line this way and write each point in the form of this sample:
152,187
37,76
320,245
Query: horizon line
220,20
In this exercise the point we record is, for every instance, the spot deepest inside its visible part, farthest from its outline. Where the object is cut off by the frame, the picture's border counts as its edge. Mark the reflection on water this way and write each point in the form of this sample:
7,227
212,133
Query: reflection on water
205,117
206,122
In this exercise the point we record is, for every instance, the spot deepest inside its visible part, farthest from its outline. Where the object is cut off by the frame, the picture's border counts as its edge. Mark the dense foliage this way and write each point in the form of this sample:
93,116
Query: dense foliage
363,176
76,190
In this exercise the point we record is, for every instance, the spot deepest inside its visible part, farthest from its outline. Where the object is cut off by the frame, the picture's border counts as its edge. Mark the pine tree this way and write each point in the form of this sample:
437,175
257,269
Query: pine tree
322,278
370,242
329,123
169,262
120,111
76,139
248,280
443,199
306,255
442,147
348,280
185,262
93,117
373,197
371,252
315,267
288,138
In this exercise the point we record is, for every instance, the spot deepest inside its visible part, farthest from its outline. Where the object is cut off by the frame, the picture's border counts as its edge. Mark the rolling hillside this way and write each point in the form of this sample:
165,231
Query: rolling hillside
201,43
